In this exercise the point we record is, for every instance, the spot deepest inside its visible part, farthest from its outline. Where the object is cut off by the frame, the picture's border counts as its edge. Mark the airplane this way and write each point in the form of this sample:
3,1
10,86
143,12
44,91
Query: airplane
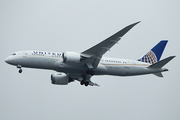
71,66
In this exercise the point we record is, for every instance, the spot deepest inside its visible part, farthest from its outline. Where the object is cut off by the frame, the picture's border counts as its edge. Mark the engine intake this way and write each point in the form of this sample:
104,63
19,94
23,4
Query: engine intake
60,79
71,57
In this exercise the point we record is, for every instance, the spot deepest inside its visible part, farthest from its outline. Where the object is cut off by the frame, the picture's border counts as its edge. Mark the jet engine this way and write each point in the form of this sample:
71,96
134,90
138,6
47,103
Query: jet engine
71,57
60,79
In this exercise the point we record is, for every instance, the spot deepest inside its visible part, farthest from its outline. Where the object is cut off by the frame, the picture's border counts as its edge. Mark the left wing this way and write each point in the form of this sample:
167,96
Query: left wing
95,53
91,57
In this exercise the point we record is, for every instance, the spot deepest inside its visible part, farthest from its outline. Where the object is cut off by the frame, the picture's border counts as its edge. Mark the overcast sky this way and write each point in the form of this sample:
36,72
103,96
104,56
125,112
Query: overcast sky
76,25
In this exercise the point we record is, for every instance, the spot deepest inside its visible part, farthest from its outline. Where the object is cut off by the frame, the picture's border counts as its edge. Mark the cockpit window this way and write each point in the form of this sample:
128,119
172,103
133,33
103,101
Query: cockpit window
14,54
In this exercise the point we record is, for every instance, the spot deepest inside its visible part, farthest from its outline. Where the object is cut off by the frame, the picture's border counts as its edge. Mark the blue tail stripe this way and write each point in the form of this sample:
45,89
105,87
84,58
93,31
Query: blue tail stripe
159,48
155,53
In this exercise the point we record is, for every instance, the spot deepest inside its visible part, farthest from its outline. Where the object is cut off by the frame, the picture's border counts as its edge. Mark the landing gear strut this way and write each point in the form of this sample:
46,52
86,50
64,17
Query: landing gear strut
20,70
90,72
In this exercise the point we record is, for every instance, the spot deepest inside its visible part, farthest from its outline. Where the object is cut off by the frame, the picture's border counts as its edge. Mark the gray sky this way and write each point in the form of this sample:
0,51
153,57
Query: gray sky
69,25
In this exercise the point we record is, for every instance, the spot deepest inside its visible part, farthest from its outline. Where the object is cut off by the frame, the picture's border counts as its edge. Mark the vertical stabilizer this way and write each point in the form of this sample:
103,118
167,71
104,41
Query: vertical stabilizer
155,53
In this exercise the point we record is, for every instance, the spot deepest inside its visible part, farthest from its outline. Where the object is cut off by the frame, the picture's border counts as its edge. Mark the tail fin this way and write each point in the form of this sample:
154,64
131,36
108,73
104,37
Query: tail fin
155,53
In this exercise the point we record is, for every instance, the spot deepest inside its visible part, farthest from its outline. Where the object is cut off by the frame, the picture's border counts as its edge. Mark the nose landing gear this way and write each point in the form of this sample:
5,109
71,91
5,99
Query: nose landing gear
20,70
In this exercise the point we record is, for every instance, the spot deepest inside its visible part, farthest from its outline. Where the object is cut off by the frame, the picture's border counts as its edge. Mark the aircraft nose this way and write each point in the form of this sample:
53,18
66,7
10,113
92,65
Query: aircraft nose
10,60
7,60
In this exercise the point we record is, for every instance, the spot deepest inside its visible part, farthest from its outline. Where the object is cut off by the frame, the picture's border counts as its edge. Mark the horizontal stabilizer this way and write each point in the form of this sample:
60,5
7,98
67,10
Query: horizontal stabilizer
161,63
159,74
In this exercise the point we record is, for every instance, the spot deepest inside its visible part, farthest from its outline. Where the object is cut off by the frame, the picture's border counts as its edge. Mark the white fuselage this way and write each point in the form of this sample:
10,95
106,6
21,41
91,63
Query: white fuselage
54,61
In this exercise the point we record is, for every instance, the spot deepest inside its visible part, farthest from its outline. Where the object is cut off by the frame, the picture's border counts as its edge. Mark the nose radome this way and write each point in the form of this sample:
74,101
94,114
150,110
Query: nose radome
7,59
11,60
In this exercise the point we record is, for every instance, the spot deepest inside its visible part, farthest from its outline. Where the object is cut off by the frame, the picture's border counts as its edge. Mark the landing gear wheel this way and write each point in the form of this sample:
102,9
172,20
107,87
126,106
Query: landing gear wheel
20,70
82,82
86,83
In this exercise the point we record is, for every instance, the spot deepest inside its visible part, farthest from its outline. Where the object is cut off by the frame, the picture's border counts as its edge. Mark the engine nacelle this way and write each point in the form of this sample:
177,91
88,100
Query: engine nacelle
59,79
71,57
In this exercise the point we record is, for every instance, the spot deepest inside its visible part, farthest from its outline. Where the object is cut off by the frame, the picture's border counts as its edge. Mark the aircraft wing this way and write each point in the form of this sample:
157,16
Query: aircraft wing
95,53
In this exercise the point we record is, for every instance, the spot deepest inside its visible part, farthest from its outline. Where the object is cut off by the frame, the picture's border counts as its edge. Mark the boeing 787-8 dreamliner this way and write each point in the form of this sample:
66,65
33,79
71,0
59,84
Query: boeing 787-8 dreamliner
70,66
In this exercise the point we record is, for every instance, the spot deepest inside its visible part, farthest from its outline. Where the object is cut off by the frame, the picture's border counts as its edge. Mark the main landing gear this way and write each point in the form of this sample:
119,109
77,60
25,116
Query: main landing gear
84,82
86,78
90,69
89,73
20,70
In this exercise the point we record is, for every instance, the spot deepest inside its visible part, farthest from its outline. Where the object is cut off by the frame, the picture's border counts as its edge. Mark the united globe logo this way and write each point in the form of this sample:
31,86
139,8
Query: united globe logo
150,57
